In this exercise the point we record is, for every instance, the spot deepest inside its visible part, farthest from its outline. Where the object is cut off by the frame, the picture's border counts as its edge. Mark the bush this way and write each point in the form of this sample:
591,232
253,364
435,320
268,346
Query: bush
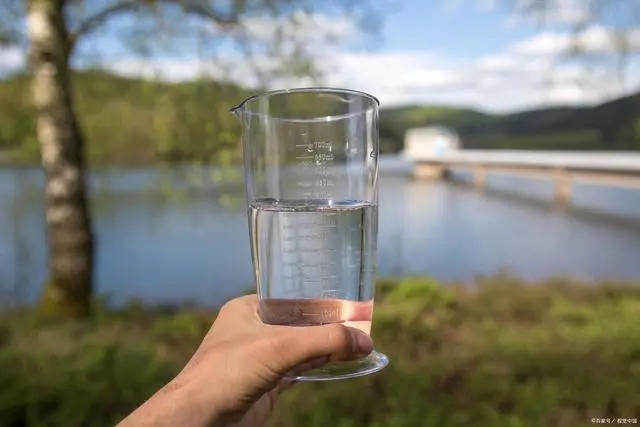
501,353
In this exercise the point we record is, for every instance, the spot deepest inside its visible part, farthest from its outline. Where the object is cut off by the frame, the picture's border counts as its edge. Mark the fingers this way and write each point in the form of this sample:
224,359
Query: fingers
306,366
300,311
296,346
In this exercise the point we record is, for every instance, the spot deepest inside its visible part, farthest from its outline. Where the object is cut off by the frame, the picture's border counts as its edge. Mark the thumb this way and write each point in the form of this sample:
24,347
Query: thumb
300,345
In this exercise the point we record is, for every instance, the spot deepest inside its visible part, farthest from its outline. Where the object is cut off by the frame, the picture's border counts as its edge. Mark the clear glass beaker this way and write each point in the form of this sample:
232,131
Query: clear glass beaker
311,167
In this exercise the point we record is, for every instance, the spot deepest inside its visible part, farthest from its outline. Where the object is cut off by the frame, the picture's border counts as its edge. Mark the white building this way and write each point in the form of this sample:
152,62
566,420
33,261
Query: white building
429,142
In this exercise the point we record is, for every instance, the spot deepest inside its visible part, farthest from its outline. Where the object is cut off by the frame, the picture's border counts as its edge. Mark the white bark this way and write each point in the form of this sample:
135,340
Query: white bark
69,288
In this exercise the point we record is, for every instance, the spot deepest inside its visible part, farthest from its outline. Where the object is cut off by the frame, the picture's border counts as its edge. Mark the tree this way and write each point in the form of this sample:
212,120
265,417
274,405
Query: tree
602,35
54,30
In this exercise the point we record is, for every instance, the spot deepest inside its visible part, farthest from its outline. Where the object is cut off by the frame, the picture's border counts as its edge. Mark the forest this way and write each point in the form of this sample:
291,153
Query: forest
136,122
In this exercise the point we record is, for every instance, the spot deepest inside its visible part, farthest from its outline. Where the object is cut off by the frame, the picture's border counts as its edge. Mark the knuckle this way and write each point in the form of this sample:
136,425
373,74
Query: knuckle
237,303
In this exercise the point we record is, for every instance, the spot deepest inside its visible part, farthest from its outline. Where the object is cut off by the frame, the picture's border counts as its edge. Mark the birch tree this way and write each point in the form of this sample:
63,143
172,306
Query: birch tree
54,29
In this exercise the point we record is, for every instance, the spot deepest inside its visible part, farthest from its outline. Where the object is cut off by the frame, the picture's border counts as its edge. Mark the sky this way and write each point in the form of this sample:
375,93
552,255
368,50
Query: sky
470,53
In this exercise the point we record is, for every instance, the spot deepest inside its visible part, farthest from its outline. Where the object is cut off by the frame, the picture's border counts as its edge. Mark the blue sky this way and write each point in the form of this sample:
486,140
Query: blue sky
447,52
441,26
477,53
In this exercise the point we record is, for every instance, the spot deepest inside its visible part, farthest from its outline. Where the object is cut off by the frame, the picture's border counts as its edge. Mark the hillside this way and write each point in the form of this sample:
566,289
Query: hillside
394,122
614,125
136,122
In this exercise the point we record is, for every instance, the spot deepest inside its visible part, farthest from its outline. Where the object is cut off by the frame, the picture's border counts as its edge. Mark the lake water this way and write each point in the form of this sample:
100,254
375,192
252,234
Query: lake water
197,249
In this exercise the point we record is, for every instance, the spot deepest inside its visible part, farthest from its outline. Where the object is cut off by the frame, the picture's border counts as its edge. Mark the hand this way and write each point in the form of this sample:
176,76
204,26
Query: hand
235,375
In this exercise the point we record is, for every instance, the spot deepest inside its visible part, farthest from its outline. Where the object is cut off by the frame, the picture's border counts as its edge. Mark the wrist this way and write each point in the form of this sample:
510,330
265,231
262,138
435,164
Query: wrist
181,403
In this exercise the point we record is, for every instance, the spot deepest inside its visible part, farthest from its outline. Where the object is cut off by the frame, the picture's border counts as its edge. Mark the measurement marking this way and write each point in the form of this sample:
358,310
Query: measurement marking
305,157
322,226
307,251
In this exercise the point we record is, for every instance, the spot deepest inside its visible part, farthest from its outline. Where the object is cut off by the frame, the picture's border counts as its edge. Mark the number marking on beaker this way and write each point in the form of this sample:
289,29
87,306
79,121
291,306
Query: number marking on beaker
317,155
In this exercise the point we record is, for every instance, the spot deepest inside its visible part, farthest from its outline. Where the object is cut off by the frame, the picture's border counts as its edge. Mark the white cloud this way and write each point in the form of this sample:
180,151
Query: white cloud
563,12
594,39
500,62
12,58
499,82
522,75
376,68
312,27
547,43
456,5
317,32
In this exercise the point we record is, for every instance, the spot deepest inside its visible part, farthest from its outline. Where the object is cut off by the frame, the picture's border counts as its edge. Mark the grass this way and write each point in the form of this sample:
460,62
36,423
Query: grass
500,353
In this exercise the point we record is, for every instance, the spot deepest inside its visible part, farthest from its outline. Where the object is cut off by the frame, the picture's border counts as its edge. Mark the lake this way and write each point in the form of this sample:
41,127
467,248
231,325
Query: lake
197,248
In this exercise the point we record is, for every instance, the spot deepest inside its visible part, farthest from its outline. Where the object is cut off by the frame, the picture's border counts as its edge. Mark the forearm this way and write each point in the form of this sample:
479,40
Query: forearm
176,404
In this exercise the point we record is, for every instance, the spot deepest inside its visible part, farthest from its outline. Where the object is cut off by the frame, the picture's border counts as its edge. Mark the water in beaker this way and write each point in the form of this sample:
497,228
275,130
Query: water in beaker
311,163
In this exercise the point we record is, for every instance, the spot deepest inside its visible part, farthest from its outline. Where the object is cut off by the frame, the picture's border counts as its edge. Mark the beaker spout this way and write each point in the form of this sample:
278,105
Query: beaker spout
237,110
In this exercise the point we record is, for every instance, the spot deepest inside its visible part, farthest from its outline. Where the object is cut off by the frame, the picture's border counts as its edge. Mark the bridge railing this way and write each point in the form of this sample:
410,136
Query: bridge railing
594,160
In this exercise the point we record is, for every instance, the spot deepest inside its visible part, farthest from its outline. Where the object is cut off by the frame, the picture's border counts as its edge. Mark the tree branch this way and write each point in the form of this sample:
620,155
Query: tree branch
195,7
92,22
200,9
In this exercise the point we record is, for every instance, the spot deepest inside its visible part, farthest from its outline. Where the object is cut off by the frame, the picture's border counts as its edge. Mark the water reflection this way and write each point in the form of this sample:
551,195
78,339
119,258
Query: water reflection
197,249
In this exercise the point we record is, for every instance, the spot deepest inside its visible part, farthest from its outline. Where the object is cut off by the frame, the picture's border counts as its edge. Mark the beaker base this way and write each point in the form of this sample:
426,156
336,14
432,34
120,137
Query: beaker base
370,364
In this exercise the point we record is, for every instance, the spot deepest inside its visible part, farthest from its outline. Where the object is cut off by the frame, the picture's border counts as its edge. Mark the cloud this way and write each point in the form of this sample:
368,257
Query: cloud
594,39
498,62
317,32
569,12
498,82
309,26
456,5
547,43
12,59
525,74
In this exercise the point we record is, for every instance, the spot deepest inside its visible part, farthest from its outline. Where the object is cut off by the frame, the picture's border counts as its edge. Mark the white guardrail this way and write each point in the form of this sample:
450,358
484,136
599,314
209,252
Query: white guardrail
593,160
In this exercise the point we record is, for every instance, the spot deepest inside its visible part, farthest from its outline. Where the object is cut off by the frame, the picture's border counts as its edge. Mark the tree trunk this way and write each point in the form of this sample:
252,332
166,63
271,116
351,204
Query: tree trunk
69,287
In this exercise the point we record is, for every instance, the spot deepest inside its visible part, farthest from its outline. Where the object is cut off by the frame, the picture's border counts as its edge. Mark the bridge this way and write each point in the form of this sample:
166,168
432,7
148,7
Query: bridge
620,169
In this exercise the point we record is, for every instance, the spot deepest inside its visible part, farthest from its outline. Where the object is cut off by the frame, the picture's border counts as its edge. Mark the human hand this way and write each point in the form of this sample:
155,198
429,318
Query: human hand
235,375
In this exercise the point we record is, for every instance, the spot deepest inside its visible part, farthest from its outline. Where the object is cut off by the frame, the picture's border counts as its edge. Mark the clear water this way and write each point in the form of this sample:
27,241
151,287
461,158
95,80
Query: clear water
195,249
314,260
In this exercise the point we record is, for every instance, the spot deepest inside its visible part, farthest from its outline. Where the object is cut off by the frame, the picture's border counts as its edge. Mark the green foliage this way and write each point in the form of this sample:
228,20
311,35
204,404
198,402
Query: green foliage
504,353
501,353
77,374
132,121
138,122
610,126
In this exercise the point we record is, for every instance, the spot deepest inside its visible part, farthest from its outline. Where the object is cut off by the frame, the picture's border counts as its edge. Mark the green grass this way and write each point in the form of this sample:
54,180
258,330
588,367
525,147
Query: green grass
502,353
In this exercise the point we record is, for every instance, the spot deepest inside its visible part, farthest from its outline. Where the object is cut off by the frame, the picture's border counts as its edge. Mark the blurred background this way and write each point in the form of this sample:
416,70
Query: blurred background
509,237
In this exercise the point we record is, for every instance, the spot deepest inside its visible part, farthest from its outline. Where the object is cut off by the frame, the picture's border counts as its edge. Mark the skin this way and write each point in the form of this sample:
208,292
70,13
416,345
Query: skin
236,374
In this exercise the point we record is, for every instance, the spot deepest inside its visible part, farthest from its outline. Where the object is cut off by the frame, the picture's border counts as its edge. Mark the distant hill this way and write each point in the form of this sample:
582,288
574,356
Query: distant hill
614,125
394,122
136,122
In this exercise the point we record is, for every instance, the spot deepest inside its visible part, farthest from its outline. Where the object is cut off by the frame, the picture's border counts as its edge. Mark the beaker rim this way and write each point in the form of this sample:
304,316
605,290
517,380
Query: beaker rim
317,89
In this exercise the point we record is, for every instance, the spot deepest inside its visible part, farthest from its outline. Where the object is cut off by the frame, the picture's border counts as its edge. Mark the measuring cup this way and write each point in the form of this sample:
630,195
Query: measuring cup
311,167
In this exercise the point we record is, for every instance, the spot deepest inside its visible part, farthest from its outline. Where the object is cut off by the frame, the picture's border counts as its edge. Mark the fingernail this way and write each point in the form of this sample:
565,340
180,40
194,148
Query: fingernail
365,344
